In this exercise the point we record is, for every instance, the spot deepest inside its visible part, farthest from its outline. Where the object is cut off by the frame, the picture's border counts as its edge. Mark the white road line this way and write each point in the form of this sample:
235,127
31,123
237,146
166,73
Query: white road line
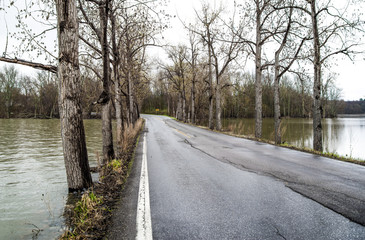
144,225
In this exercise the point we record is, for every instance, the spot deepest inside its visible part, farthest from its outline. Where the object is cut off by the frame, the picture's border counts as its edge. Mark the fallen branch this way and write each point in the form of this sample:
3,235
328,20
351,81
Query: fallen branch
41,66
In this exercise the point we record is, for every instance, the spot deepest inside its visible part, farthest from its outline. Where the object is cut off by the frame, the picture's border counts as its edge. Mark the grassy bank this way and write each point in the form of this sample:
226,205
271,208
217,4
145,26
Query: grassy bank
88,216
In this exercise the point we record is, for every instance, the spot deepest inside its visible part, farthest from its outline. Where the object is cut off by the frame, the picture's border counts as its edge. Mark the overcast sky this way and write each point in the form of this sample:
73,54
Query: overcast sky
351,78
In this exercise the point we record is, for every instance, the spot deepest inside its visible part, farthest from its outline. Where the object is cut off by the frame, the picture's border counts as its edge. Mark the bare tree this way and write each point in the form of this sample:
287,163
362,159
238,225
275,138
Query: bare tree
282,64
333,33
105,99
208,18
108,148
261,13
177,75
223,48
193,65
72,128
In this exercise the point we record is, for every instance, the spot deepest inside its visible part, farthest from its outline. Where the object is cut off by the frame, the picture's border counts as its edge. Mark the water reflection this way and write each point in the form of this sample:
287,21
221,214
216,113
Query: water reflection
33,187
345,136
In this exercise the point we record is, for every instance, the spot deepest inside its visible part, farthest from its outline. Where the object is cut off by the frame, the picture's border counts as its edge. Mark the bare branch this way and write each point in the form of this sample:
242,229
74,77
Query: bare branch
50,68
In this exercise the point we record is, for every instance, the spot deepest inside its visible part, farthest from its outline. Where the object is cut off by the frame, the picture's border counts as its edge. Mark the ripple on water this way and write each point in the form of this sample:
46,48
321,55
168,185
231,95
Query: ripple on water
33,183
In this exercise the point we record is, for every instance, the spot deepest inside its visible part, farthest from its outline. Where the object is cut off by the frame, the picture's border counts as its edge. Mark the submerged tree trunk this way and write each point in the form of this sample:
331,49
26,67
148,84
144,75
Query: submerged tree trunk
317,107
72,128
277,115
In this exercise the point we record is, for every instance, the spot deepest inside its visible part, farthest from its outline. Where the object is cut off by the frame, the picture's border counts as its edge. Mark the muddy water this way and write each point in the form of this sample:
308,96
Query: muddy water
344,136
33,187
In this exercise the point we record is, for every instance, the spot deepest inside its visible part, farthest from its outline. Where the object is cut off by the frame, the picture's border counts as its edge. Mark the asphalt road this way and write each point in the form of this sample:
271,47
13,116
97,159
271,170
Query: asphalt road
207,185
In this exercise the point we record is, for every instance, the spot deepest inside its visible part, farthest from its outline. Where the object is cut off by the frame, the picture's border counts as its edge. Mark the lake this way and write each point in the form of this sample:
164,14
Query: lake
33,187
344,136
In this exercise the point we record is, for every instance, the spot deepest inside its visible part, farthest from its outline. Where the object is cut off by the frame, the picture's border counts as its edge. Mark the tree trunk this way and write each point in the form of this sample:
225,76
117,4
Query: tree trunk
258,84
193,99
72,128
108,149
184,108
218,109
317,108
168,104
179,110
118,115
277,116
130,97
118,94
211,93
303,103
183,100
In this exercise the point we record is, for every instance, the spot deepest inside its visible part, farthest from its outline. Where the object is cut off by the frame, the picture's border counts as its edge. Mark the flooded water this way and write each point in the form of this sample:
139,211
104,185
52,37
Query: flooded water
33,187
344,136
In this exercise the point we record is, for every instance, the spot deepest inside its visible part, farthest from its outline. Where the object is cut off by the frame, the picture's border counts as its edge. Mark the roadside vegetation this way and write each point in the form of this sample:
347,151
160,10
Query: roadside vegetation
87,214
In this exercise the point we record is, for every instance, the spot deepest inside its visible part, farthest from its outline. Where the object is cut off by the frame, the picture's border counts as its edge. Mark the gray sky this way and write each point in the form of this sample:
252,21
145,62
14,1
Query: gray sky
351,78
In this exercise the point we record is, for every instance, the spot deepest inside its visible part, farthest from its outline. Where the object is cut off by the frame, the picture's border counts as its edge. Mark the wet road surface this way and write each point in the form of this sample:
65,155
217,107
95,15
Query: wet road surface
207,185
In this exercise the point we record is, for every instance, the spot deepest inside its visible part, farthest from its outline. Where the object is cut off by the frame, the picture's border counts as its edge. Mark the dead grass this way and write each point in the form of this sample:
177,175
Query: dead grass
88,216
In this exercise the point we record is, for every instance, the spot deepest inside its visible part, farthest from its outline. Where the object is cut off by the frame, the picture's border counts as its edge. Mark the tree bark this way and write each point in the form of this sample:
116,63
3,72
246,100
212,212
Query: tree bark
72,128
218,109
211,89
179,114
183,91
277,116
193,98
118,93
317,107
303,103
108,149
130,97
258,77
184,107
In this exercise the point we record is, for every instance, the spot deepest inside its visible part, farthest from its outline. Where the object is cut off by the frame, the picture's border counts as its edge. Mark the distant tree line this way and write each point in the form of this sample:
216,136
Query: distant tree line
24,96
352,107
238,99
